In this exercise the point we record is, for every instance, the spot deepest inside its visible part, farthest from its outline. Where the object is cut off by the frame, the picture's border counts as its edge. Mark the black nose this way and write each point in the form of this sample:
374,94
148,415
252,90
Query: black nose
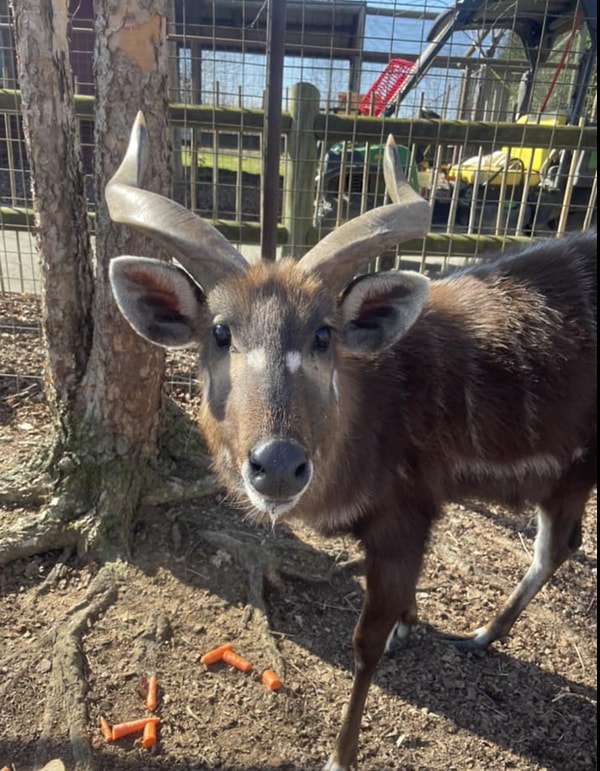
279,468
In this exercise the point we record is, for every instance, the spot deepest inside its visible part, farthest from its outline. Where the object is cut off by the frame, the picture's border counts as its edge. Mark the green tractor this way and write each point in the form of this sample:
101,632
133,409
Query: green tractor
350,180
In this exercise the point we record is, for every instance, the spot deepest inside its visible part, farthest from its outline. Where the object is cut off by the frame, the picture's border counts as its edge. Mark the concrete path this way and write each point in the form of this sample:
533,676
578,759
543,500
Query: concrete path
19,269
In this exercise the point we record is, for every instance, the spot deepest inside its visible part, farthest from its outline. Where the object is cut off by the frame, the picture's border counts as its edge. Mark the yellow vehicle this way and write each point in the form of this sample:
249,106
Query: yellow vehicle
510,166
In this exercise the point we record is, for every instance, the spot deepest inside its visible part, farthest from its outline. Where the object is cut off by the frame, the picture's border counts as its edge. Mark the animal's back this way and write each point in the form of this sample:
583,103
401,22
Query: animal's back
563,271
501,365
528,402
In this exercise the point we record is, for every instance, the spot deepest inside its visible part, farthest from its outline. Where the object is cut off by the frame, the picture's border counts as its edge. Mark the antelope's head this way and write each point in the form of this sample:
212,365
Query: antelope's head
276,340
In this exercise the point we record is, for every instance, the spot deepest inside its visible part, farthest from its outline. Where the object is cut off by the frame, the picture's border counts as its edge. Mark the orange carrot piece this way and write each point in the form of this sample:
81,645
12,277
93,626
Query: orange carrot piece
216,654
132,727
232,658
271,680
151,695
149,736
105,729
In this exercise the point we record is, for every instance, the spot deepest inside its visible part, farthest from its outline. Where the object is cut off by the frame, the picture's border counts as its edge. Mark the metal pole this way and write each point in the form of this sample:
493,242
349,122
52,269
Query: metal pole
272,131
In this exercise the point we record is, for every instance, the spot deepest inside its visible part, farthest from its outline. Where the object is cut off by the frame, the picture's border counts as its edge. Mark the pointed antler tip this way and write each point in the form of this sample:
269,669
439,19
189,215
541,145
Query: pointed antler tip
140,120
138,140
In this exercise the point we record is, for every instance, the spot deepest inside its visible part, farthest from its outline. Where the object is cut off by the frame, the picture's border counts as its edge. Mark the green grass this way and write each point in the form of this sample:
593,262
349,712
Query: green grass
227,162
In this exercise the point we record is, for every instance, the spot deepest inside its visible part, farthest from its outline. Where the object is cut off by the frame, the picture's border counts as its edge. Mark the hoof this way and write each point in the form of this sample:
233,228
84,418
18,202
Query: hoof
397,638
474,643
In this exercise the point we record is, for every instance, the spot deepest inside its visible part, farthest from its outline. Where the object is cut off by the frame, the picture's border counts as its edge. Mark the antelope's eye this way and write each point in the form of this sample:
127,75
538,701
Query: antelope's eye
222,335
322,338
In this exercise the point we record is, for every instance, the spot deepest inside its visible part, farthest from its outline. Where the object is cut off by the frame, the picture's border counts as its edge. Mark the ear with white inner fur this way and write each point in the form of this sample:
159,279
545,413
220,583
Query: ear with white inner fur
160,301
377,309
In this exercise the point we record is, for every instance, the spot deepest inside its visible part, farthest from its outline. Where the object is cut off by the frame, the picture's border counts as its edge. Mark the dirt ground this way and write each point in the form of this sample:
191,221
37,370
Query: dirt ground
288,601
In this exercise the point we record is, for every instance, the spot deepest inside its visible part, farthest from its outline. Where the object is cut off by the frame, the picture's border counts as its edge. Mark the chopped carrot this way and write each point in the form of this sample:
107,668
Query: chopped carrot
230,657
216,654
271,680
151,695
105,729
149,735
132,727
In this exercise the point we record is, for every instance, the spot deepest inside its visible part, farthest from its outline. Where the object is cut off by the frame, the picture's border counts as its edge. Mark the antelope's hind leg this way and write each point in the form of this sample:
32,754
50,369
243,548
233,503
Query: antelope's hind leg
558,536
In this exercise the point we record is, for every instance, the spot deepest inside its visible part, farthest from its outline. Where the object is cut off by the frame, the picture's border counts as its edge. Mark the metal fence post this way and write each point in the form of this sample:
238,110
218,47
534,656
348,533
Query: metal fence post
272,134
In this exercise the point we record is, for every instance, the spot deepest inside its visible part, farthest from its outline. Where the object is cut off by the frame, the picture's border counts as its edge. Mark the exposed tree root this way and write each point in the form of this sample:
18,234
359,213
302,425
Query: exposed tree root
92,516
63,524
178,490
24,487
66,700
77,497
57,572
35,533
262,563
65,704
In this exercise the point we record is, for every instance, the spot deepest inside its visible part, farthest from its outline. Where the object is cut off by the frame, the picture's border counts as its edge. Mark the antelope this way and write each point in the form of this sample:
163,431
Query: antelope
362,403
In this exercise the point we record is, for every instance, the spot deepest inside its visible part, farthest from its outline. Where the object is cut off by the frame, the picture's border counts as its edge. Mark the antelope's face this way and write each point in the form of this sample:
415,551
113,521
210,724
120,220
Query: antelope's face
271,335
268,364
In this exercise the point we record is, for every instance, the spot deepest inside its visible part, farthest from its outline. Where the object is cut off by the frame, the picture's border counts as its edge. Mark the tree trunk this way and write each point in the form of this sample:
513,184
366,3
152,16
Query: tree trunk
104,380
62,237
122,386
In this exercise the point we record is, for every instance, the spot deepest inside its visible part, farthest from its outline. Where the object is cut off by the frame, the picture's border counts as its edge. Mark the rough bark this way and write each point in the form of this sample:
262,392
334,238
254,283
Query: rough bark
104,381
122,386
62,236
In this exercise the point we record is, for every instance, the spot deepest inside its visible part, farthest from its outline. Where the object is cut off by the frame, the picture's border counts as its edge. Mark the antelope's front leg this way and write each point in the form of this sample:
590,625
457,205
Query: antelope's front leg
389,598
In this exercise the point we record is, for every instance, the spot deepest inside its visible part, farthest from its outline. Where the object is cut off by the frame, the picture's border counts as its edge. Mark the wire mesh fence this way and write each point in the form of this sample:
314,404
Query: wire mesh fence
494,113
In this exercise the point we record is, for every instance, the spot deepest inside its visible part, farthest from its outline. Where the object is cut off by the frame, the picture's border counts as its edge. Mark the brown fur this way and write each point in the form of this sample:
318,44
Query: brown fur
365,405
491,393
485,387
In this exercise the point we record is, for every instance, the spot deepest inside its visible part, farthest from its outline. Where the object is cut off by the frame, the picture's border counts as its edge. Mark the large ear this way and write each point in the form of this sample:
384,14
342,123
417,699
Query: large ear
378,308
159,300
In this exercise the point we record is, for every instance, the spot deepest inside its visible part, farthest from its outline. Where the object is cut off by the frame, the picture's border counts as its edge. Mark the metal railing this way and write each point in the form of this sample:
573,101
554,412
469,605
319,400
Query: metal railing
217,165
